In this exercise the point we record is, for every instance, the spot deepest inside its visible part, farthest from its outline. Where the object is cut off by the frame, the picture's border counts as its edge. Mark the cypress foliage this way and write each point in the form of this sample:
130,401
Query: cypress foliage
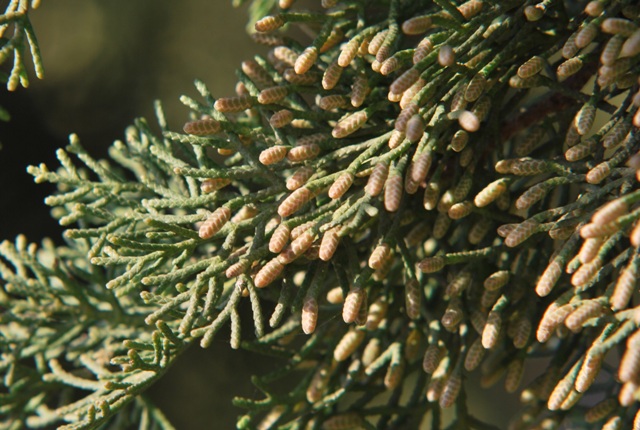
458,180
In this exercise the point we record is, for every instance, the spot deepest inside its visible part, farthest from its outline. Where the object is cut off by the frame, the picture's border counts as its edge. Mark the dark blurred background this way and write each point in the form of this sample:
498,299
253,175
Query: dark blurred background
105,62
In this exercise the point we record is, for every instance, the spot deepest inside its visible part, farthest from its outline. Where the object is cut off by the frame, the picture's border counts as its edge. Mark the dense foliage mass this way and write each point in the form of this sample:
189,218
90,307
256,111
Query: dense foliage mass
424,189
